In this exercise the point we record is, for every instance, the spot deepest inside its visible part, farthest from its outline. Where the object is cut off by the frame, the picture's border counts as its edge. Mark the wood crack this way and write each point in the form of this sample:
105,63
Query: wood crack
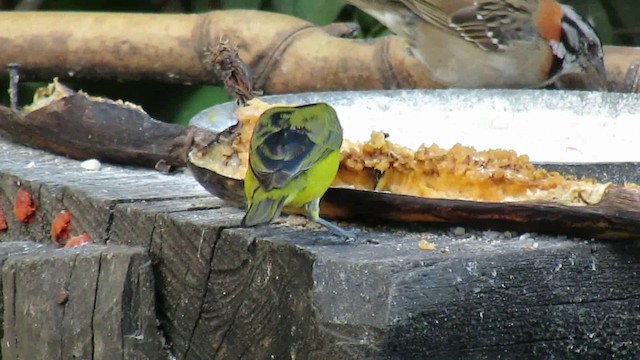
64,307
205,293
234,317
93,311
14,311
154,226
127,296
112,211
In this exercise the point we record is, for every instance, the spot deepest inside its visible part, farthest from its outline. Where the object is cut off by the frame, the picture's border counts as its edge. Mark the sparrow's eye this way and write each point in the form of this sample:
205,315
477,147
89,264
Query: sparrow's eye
592,47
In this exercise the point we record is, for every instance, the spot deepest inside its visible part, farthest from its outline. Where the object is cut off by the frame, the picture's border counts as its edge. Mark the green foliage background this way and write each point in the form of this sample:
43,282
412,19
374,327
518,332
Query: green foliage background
617,21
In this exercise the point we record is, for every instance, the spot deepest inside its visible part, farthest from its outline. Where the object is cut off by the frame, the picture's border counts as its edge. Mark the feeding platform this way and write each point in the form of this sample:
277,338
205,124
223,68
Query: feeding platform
170,271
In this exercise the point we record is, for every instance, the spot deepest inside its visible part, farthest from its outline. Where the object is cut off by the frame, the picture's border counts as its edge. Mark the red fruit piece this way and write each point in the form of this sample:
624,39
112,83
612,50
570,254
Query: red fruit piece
78,240
60,227
24,208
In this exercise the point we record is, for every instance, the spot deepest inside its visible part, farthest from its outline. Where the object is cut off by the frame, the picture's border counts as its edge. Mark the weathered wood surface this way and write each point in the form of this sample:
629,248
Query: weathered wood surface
12,248
293,291
90,302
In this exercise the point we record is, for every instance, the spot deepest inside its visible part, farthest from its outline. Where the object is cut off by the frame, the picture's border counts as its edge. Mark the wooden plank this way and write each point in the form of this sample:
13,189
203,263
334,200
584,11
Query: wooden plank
90,196
88,302
134,223
7,249
298,292
483,298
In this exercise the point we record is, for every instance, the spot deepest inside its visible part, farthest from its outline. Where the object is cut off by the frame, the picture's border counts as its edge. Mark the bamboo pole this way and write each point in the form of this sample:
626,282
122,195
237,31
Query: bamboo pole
286,54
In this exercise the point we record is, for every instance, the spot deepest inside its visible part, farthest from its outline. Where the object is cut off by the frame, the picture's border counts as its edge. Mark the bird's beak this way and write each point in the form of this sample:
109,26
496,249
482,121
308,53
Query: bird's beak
594,77
597,75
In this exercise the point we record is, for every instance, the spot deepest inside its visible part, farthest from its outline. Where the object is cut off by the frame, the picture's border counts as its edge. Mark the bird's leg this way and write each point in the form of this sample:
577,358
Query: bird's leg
335,229
312,209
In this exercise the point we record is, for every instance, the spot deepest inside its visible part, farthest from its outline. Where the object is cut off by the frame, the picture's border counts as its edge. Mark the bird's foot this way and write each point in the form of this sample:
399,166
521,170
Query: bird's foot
336,230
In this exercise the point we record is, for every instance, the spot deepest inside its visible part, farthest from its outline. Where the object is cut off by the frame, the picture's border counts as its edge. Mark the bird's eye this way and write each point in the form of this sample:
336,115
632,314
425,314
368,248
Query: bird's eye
592,47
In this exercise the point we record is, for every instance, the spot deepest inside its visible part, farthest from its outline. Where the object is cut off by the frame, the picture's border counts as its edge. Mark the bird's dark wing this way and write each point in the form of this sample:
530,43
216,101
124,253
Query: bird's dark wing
288,141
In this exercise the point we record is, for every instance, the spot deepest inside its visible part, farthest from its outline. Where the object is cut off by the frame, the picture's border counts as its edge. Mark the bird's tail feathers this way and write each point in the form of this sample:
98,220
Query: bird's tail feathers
263,212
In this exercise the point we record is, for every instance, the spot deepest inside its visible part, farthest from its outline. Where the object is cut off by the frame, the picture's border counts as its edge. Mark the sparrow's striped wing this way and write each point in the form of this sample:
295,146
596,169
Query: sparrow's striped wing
490,24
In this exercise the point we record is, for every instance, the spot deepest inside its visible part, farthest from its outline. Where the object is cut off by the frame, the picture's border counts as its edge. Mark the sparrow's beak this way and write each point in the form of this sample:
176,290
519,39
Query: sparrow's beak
593,77
596,75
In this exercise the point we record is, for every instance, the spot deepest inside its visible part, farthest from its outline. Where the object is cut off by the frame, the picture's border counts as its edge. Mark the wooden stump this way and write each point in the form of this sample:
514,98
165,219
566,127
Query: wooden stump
90,302
291,290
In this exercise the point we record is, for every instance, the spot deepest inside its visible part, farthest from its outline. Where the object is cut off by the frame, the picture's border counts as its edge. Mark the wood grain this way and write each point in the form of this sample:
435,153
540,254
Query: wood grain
10,248
89,302
291,290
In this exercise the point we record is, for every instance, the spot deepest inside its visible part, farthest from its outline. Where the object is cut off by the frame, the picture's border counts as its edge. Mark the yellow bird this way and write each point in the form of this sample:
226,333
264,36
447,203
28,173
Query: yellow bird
294,156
